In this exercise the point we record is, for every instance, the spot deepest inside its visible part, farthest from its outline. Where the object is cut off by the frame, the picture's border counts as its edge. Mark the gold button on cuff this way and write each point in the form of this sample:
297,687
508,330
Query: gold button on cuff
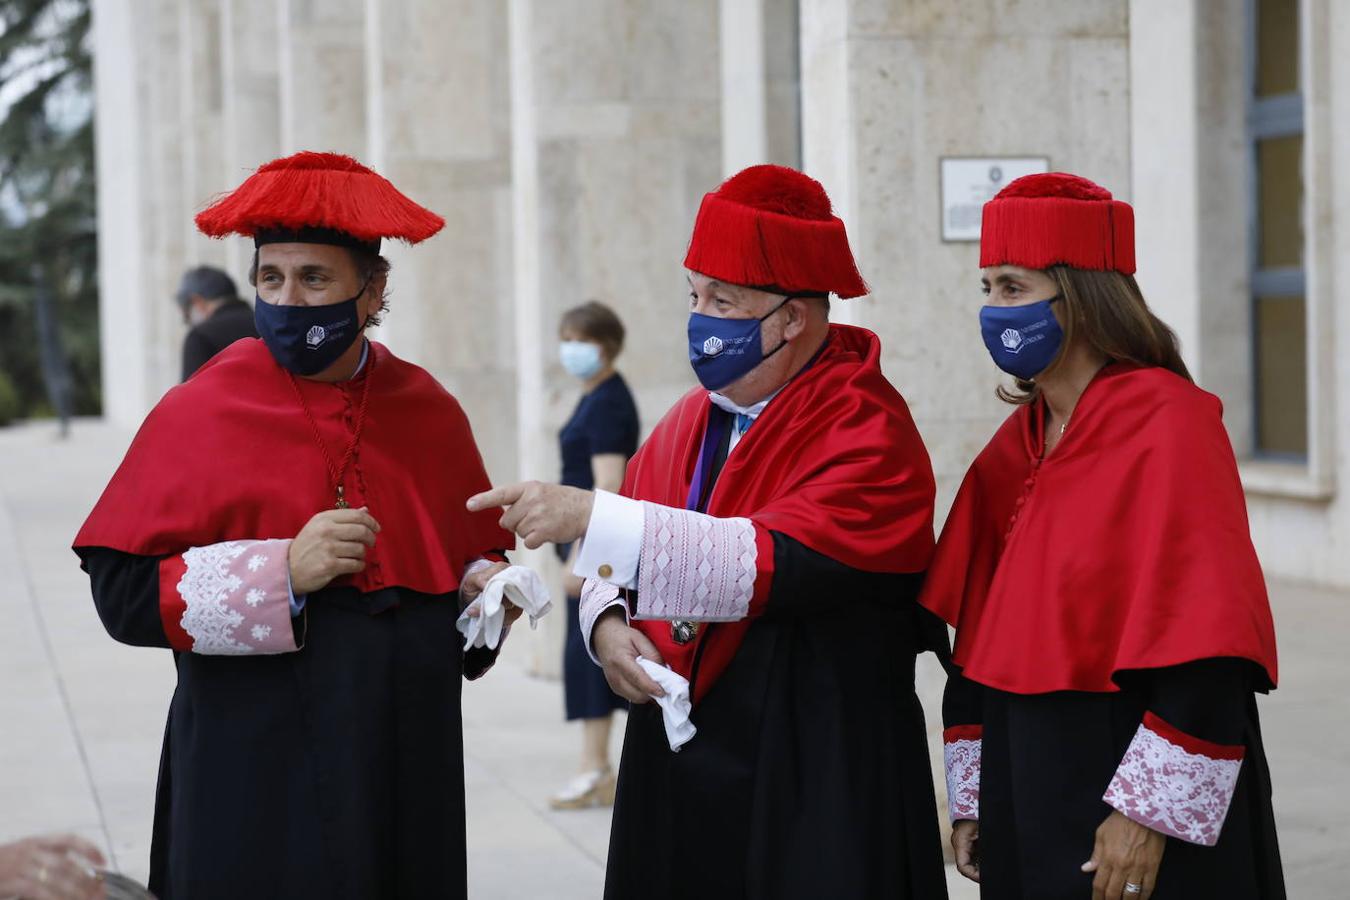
605,571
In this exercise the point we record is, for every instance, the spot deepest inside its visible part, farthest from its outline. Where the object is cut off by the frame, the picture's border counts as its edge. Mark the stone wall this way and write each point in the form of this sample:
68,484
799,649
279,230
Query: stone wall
568,143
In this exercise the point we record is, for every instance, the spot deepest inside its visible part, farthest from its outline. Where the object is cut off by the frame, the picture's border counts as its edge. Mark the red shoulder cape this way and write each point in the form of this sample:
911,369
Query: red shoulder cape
1128,548
834,462
229,455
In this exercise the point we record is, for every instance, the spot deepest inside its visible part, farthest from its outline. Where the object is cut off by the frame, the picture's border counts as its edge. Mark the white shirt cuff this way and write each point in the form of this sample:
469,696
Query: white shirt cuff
597,598
613,542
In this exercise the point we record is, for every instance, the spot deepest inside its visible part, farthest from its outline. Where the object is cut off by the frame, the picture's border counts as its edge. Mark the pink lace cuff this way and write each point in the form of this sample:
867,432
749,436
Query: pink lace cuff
236,598
1174,783
695,567
961,747
596,597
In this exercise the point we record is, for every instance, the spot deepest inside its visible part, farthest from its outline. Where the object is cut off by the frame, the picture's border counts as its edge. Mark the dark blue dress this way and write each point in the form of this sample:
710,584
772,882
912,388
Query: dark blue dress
605,421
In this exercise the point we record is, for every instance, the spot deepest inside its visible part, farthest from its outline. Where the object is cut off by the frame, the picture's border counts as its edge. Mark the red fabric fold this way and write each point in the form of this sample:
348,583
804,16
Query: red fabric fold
171,603
1189,742
834,462
1128,548
229,455
962,733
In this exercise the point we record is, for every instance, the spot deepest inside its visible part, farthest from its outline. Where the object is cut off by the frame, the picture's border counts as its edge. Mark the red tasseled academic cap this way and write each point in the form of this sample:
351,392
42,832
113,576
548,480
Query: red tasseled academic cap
1039,221
318,198
773,227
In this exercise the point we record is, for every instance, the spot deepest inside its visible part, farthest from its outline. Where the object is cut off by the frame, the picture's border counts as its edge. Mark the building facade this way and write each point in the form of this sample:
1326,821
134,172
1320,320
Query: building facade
568,143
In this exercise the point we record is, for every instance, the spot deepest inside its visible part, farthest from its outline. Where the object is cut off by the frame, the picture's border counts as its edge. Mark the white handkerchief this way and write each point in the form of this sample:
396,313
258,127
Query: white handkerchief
519,584
675,705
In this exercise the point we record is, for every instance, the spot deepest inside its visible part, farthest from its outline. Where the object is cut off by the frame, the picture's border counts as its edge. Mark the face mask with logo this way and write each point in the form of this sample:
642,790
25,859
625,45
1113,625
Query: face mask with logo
1023,340
308,339
723,350
580,358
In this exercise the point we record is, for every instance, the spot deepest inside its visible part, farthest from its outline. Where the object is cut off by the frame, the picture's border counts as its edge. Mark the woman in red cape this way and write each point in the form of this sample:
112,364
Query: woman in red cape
1112,625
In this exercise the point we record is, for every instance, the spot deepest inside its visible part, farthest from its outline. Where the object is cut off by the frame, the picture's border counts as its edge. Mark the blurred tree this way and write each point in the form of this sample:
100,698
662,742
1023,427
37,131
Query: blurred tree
48,247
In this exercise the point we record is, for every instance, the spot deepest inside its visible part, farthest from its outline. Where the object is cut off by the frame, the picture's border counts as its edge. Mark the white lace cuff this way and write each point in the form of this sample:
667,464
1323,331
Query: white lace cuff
961,748
695,567
1176,784
596,597
237,598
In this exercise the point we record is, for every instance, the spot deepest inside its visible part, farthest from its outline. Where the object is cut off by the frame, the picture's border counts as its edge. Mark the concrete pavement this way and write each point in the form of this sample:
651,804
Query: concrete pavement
81,716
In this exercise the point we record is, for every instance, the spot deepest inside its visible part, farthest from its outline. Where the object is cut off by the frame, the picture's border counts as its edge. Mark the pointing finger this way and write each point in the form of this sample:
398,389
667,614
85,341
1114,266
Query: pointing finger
499,496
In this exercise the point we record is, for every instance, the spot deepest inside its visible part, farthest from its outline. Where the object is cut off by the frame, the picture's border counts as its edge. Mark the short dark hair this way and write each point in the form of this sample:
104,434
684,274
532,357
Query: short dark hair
206,282
368,265
595,321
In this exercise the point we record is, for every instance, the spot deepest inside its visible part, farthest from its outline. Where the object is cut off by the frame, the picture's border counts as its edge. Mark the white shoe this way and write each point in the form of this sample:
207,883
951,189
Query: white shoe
587,790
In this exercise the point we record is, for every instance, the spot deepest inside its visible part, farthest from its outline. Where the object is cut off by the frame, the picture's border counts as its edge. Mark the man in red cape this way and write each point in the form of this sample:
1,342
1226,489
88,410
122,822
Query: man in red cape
1111,618
767,547
291,522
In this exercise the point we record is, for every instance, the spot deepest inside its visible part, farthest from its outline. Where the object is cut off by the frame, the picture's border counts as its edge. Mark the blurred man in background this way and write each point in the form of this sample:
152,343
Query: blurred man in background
214,314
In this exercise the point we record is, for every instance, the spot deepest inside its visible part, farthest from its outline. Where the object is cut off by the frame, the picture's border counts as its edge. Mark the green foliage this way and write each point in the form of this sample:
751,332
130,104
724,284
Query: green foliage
9,400
47,198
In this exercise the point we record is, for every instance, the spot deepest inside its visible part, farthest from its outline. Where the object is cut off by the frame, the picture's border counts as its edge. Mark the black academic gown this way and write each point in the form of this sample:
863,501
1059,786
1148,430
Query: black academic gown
809,776
1047,760
331,772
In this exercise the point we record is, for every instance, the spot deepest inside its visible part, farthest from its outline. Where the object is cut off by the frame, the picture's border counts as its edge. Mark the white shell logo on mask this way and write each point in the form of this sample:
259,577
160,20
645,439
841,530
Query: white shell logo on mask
713,346
1012,339
315,336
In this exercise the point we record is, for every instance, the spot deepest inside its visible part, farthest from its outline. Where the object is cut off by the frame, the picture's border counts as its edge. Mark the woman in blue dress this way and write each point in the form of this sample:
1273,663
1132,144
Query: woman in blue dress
596,444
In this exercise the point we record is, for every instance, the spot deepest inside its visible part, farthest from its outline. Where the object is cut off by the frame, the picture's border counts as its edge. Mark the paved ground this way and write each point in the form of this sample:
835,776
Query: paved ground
81,717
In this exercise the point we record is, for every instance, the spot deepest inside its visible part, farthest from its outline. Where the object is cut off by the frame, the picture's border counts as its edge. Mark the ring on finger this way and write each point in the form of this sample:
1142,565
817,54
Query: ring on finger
1132,888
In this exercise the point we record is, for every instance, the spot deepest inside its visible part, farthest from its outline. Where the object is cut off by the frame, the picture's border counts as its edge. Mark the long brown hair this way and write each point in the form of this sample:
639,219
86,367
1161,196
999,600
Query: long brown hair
1106,311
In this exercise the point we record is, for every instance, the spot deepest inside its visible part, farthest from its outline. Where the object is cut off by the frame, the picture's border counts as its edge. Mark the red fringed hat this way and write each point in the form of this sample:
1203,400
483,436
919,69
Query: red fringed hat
772,227
318,198
1039,221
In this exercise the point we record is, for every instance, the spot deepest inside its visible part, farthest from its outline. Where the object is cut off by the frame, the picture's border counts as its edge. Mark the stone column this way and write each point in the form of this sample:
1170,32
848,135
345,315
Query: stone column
889,87
123,232
158,100
250,132
615,137
167,208
321,58
201,113
1188,122
761,117
439,114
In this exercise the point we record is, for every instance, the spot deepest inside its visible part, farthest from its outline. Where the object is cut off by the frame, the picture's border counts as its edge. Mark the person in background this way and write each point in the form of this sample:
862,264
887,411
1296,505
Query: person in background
214,314
596,444
50,867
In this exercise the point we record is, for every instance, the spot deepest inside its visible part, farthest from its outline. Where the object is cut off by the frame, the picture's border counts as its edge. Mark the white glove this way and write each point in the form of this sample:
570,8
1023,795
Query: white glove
520,585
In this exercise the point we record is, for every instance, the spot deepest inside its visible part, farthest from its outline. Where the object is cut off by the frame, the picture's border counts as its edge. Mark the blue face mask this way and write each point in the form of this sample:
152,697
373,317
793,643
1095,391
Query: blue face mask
580,358
1023,340
308,339
723,350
